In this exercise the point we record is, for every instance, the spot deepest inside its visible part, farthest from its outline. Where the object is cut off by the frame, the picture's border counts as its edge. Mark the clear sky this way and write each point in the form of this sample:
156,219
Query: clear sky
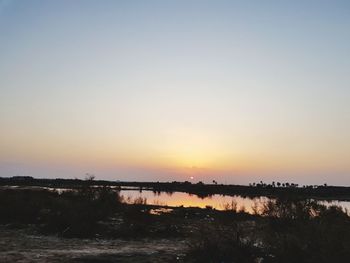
236,91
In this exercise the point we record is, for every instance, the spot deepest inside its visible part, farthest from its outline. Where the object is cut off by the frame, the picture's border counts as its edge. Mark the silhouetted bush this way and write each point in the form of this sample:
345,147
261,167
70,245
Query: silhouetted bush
24,206
71,213
216,244
289,231
77,213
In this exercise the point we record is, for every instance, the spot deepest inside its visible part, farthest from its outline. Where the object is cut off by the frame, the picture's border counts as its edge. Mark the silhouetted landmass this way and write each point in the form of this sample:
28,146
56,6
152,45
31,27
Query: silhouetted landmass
202,190
287,229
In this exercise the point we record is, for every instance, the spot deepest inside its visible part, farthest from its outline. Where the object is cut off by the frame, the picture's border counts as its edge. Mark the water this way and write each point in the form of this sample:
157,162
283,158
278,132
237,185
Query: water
176,199
343,204
216,201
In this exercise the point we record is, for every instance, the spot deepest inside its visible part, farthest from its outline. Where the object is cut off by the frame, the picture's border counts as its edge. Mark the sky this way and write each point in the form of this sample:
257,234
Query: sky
232,91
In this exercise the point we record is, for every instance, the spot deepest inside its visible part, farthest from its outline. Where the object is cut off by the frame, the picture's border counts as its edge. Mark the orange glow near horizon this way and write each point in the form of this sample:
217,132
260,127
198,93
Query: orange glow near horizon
218,96
177,154
189,154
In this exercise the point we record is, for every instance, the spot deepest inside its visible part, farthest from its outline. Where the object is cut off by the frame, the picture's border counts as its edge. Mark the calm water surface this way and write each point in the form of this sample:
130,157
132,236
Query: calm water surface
187,200
215,201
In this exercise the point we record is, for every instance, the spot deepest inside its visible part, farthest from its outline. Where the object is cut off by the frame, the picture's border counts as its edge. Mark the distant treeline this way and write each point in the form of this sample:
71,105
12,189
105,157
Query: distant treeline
274,189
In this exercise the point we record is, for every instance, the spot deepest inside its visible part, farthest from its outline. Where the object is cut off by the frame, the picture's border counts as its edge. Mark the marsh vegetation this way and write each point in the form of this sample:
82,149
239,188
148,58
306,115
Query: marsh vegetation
286,229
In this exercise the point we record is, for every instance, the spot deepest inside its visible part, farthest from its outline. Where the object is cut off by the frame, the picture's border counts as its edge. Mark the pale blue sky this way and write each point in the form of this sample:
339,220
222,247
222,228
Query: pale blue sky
157,90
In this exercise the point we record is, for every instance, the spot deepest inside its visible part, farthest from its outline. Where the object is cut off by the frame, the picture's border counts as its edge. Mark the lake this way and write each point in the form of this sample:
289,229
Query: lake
176,199
216,201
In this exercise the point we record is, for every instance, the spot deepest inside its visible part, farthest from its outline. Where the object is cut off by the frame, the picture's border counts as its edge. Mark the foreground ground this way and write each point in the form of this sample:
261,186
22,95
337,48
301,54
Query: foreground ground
27,245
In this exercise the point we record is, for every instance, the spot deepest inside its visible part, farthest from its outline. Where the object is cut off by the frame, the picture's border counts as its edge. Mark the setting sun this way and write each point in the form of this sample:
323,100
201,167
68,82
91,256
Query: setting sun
175,131
233,97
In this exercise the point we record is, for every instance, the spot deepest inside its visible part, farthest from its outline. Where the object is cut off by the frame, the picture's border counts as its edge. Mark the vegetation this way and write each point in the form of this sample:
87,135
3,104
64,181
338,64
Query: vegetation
288,229
85,212
274,189
71,213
